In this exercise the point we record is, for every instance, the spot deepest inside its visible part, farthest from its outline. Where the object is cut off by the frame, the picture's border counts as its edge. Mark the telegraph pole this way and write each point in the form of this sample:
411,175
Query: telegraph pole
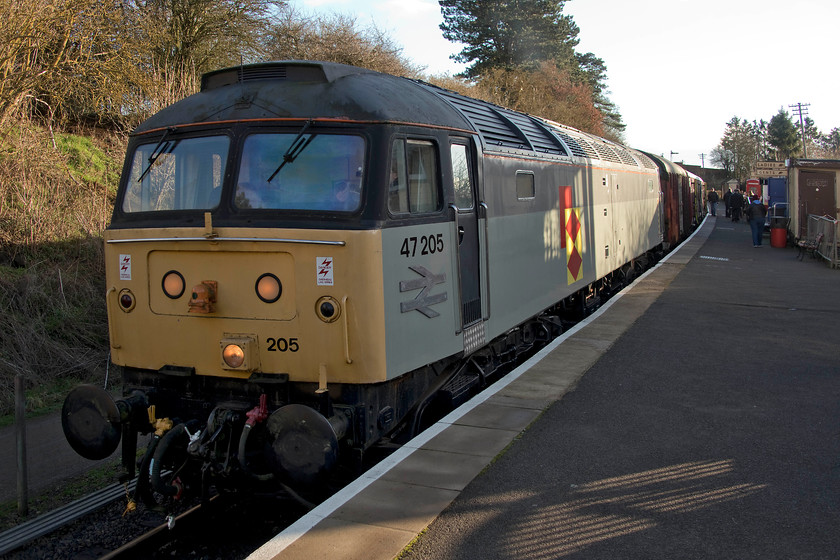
801,109
702,159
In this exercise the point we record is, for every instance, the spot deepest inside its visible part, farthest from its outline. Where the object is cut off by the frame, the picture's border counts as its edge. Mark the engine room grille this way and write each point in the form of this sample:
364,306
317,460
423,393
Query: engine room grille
495,130
626,157
501,127
646,161
541,140
606,153
256,72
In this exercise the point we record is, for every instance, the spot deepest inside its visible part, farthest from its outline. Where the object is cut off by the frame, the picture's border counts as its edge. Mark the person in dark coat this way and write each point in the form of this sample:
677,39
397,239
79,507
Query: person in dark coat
755,214
736,202
726,197
713,200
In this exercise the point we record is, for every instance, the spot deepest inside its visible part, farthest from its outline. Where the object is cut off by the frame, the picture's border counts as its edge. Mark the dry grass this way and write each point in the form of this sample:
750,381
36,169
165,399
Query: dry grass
55,198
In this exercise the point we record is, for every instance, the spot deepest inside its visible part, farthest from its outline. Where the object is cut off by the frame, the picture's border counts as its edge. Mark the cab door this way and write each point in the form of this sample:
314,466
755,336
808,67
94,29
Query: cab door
469,234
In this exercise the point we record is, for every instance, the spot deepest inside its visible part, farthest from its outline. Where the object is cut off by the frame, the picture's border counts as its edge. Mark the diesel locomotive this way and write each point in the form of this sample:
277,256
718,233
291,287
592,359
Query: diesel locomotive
307,258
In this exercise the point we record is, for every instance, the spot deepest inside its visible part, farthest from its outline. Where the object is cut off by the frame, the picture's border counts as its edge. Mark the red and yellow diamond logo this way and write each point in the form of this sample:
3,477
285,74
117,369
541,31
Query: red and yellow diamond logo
574,261
572,238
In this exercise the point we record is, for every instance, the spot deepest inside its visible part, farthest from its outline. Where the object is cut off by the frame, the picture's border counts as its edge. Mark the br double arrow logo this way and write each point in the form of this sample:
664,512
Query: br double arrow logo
421,303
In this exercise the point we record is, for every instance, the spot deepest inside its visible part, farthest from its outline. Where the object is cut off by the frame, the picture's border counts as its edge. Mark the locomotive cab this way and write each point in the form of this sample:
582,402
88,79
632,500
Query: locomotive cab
288,261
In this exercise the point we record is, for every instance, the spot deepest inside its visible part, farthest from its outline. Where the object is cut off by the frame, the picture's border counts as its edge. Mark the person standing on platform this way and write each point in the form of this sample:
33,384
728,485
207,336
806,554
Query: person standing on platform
755,214
727,196
736,202
713,200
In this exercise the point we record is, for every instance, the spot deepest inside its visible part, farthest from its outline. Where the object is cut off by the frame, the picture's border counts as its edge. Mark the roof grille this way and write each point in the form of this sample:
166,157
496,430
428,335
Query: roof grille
646,161
573,145
504,128
258,72
252,73
579,145
626,157
605,152
495,130
540,139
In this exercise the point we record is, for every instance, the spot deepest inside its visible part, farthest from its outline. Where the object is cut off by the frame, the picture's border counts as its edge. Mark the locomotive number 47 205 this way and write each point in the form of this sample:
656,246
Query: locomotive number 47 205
428,245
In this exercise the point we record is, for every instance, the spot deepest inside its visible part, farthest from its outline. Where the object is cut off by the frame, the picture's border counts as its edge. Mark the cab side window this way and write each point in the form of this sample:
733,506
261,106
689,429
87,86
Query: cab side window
461,179
414,186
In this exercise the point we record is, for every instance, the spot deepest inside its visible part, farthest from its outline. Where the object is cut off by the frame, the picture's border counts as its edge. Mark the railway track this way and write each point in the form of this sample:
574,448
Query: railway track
141,546
28,531
92,527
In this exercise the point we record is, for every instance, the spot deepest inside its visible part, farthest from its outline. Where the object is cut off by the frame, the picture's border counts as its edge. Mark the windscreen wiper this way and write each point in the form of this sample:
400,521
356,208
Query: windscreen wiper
159,149
298,145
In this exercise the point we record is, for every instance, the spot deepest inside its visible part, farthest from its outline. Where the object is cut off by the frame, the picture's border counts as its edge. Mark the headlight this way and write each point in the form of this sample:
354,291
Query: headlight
233,355
268,288
173,284
240,352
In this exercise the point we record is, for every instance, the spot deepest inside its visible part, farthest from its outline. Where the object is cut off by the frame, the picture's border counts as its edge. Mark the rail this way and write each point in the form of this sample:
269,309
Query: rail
49,522
828,227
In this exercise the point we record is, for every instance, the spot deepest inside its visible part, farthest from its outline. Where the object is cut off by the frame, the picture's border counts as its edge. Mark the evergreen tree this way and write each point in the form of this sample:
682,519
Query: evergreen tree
509,33
783,136
594,73
738,148
763,151
522,35
830,143
812,139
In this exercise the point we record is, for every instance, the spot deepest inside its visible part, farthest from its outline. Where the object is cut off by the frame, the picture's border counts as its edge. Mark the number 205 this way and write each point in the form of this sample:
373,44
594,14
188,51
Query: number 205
282,344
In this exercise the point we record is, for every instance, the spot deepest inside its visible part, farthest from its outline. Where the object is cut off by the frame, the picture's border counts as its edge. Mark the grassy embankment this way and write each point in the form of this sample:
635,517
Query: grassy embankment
56,194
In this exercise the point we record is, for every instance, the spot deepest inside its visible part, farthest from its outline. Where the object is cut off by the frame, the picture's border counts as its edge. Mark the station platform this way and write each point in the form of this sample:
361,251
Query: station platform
696,415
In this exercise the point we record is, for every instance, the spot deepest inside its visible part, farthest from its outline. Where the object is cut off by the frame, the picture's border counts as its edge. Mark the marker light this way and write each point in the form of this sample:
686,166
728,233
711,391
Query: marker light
268,288
127,300
233,355
173,284
327,309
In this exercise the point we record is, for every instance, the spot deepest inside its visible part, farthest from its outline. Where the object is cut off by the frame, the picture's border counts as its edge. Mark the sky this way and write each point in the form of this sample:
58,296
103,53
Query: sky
677,70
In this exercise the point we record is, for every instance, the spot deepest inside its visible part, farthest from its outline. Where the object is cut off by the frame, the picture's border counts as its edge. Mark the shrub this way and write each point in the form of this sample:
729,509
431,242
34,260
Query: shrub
56,194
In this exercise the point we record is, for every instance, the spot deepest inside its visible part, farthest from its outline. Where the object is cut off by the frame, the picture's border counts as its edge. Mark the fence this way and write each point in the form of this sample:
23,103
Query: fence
827,248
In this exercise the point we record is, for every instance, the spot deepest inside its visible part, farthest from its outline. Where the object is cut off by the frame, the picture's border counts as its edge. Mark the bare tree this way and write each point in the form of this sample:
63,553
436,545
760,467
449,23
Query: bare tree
205,34
724,159
336,38
58,57
178,40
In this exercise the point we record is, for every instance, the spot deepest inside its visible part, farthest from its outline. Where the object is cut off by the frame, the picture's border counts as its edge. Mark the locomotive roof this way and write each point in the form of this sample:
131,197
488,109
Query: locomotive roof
667,166
298,89
309,89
